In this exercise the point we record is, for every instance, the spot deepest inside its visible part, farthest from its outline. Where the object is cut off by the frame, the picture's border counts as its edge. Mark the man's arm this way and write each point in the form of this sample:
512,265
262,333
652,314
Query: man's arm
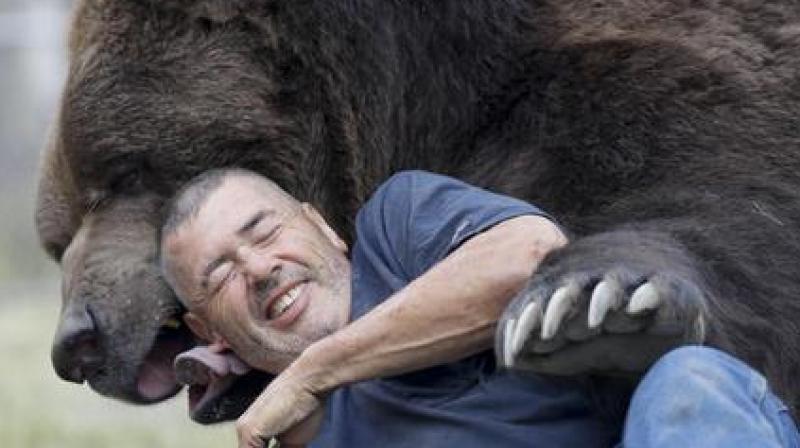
446,314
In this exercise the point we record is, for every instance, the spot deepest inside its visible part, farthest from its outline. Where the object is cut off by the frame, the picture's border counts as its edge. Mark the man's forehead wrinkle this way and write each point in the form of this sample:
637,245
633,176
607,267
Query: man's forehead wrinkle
274,201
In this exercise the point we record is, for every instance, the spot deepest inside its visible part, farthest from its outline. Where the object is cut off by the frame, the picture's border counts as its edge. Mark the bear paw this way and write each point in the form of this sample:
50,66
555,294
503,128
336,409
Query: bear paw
620,320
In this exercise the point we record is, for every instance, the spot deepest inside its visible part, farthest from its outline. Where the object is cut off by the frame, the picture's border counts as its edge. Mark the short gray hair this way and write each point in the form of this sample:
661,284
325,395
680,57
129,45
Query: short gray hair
191,196
188,201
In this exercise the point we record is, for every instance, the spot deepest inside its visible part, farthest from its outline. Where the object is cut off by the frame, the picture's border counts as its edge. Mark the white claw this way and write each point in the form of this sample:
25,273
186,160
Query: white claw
508,333
528,321
560,303
605,297
645,298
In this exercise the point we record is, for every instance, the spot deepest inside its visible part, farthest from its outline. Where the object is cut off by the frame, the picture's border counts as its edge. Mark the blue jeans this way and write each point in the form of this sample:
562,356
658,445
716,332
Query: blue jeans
697,397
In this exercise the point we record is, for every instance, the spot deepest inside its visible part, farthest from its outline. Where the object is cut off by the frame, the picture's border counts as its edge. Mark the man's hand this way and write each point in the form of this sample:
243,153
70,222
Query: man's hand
288,409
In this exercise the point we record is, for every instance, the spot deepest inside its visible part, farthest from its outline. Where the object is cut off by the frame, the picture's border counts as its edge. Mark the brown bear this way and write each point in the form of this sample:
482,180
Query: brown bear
661,134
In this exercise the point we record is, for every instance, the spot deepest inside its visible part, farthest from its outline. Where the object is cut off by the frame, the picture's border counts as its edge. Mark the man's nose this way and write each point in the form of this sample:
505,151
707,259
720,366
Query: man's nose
255,265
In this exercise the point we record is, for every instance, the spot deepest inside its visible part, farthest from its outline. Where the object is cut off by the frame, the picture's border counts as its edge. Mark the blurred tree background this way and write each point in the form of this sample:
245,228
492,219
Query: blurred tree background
32,68
36,408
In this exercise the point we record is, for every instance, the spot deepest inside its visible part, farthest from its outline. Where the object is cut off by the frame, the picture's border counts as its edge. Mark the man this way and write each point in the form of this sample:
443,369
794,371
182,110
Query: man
267,276
397,339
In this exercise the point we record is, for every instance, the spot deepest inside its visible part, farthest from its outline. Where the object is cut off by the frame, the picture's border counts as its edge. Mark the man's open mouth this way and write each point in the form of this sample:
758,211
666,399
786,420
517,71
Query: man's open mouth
283,302
284,308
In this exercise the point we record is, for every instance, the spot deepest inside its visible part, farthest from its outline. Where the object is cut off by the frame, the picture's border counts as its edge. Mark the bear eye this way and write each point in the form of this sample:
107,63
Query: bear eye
130,181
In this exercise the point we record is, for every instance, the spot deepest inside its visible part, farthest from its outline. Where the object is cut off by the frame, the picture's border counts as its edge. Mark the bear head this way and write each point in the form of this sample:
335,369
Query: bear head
158,92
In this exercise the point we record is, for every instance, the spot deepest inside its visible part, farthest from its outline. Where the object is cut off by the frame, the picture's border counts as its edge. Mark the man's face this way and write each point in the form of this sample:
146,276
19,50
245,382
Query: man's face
260,273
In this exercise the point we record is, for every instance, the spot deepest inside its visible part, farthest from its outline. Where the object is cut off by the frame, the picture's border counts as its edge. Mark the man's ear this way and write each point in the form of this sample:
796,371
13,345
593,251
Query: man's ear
320,222
198,326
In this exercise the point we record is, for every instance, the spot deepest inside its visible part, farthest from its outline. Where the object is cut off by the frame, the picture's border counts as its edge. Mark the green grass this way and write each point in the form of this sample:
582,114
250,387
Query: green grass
39,410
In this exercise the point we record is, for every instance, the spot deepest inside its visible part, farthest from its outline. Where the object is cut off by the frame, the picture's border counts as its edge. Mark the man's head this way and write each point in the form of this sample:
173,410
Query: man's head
258,271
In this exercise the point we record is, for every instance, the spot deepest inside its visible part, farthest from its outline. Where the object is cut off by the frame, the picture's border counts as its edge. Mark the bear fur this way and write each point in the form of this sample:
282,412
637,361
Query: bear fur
645,127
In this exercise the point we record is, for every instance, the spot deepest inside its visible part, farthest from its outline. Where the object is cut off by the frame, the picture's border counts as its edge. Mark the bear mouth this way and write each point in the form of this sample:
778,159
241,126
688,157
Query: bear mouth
227,398
155,380
221,386
205,400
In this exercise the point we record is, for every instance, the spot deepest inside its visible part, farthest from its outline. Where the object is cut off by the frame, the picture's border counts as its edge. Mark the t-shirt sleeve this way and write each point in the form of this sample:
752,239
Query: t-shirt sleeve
416,218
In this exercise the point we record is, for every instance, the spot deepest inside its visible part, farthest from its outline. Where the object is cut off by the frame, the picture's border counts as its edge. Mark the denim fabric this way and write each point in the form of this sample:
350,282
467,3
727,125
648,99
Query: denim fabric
700,397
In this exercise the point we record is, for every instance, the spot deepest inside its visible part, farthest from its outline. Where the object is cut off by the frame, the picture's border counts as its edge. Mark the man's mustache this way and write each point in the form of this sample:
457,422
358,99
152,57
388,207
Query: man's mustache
265,288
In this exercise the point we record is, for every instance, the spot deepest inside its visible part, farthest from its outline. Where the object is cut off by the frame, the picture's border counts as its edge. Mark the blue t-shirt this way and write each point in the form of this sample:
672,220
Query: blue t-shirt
414,220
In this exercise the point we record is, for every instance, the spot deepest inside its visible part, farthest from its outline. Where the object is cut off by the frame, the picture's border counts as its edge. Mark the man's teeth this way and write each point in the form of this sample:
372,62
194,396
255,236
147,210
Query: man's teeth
284,302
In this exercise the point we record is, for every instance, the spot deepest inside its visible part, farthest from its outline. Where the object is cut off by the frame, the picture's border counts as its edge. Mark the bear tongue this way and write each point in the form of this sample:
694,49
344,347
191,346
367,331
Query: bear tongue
196,366
156,379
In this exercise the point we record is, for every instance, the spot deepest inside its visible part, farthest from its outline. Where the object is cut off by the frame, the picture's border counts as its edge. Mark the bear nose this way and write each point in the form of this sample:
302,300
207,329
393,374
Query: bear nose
75,352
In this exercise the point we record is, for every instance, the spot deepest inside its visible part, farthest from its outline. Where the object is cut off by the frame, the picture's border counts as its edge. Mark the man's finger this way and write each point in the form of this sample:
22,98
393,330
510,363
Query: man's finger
249,437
